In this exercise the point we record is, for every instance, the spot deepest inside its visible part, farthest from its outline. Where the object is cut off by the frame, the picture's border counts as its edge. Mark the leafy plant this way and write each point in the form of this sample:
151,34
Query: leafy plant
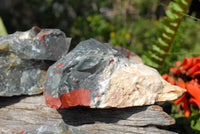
186,75
134,36
185,44
168,29
189,125
93,26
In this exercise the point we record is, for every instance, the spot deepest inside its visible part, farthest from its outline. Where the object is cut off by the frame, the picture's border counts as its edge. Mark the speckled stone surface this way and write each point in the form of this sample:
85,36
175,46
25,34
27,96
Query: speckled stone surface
98,75
36,43
25,58
19,76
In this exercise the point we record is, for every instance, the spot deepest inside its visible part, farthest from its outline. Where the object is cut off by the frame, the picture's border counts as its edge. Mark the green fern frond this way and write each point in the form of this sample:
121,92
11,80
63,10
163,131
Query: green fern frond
155,57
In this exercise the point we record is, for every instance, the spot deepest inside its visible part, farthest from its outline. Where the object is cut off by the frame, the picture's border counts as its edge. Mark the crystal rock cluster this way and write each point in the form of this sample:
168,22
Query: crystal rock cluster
25,57
99,75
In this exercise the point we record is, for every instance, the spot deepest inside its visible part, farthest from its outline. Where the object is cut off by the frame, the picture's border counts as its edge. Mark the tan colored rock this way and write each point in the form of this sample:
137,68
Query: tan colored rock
138,85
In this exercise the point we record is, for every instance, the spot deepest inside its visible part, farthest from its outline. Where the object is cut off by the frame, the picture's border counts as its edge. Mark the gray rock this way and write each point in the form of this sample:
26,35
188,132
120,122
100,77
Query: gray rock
57,129
19,76
36,43
98,75
25,58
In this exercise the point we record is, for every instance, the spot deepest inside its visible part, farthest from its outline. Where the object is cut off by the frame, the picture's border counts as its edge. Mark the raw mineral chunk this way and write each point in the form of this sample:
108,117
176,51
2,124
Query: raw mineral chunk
99,76
25,58
36,43
19,76
21,81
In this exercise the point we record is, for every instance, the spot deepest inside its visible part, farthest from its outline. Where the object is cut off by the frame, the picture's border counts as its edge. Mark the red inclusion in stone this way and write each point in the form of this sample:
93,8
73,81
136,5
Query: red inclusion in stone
37,28
52,101
54,48
21,132
58,72
75,81
42,36
112,60
58,66
97,95
78,97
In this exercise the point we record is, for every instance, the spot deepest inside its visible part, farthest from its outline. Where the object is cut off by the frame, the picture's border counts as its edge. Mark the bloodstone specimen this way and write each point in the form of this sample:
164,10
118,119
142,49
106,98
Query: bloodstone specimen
99,76
19,76
36,43
25,58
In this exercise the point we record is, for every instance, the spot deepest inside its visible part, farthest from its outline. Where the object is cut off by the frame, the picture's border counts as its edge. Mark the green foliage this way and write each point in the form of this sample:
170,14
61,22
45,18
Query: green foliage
186,125
168,30
135,36
145,8
185,44
2,28
93,26
127,28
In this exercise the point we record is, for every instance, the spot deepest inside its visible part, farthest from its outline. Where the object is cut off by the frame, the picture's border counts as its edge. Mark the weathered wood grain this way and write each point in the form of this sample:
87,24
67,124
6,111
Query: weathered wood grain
28,113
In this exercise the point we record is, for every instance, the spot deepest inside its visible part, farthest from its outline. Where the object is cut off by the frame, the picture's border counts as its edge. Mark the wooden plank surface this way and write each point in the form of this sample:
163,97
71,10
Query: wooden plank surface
29,112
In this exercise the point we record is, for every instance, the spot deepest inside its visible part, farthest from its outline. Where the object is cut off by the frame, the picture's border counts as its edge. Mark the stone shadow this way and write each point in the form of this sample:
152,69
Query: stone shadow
77,116
6,101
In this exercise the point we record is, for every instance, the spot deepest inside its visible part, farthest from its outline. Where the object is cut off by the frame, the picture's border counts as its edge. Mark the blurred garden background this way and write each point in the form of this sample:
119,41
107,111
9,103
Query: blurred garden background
133,24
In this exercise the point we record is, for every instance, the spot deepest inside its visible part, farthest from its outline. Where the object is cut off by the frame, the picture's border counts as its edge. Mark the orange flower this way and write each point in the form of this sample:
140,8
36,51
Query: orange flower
196,73
181,84
194,69
184,103
177,63
197,60
175,70
185,75
187,63
194,91
165,76
169,79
